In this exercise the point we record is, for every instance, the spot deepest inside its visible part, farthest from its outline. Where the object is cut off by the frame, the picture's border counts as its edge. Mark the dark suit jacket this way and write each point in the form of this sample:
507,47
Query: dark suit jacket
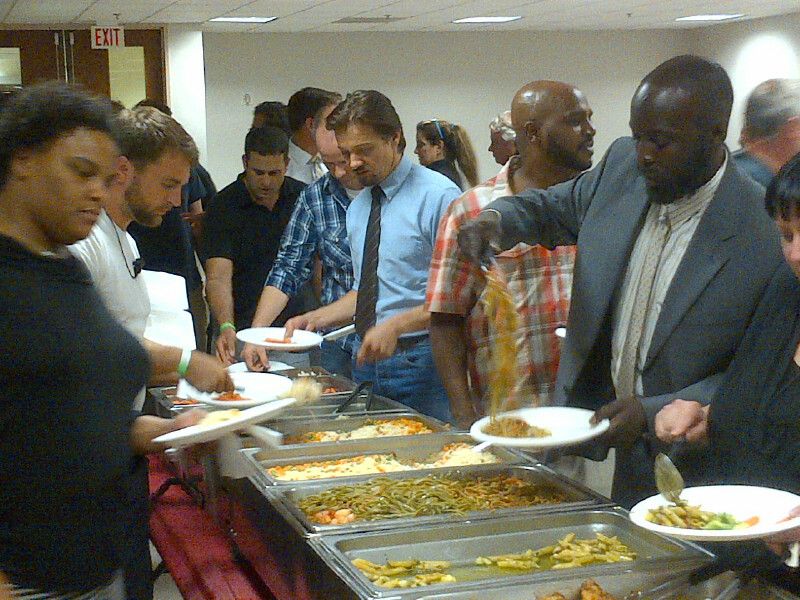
708,306
755,418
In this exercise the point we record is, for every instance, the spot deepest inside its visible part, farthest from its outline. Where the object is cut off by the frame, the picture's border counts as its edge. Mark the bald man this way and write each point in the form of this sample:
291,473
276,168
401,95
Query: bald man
554,134
675,252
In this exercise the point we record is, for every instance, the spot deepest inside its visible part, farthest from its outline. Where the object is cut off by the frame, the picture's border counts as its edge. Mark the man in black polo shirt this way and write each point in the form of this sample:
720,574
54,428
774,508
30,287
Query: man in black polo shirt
242,234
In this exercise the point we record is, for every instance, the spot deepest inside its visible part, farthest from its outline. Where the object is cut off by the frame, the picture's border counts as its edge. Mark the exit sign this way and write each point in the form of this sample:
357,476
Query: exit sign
107,37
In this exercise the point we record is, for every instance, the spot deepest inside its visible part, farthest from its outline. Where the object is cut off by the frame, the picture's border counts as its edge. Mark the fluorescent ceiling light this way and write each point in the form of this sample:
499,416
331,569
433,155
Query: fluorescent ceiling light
721,17
243,19
486,20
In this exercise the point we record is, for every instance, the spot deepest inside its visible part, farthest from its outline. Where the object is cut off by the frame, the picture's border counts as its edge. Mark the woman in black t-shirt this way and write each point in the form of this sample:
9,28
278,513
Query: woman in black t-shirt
441,145
69,371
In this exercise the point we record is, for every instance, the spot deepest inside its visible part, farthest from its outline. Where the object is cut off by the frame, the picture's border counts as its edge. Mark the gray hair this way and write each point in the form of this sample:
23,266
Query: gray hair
502,125
769,106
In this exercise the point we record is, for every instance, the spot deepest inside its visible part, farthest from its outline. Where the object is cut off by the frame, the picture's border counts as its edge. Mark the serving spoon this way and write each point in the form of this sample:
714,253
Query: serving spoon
669,480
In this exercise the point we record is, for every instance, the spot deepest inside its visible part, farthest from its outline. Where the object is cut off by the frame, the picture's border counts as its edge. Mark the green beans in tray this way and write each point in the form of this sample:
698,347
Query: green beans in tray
569,552
384,498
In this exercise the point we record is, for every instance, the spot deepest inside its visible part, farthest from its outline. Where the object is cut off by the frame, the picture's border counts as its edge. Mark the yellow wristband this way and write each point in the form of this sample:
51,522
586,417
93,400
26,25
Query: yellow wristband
226,325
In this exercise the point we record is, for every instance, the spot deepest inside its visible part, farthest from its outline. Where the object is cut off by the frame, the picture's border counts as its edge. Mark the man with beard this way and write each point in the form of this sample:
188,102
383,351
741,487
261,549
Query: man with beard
674,253
156,155
242,234
554,133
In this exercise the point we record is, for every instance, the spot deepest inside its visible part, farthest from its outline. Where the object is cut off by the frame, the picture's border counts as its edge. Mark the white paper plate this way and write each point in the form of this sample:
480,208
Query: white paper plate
274,366
771,506
568,426
257,388
301,340
197,434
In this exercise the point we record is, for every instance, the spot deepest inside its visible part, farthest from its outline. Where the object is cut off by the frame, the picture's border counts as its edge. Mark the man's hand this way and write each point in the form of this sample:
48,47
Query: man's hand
208,374
379,343
682,419
628,421
255,357
464,416
226,346
310,321
479,238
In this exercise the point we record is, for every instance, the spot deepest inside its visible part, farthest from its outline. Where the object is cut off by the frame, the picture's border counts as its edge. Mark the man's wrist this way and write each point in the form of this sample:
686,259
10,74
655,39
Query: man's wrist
183,364
223,327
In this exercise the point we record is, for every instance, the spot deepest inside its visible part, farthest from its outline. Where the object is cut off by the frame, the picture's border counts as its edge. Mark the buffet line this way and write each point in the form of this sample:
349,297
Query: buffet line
395,505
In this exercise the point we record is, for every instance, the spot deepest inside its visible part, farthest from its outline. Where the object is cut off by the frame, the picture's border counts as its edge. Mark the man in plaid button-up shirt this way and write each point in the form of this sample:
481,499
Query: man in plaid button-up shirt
316,229
554,138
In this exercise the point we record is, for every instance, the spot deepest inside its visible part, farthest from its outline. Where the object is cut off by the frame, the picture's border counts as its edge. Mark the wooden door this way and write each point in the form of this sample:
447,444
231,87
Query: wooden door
41,58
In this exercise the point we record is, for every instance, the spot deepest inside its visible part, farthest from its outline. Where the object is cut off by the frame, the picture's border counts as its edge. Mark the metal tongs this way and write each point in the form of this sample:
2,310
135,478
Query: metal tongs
363,389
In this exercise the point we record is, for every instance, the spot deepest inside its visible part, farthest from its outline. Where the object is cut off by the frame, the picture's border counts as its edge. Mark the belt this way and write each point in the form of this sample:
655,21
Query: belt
406,343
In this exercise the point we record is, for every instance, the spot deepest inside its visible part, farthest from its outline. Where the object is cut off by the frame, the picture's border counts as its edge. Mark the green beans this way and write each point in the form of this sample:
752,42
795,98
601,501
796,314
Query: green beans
385,498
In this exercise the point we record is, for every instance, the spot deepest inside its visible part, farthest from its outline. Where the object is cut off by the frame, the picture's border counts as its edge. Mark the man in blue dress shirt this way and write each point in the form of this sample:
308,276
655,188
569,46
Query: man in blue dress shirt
391,227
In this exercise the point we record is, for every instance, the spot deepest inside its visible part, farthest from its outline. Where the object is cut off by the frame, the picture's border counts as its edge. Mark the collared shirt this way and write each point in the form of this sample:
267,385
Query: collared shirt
539,281
248,235
303,166
416,198
317,227
683,217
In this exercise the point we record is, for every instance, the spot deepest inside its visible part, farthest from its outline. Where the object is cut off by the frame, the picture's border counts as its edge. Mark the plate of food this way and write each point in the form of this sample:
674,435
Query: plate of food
275,338
542,427
252,389
719,513
221,422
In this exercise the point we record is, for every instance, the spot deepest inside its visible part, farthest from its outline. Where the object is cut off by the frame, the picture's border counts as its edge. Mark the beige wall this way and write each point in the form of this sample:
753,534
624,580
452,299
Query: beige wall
465,77
751,52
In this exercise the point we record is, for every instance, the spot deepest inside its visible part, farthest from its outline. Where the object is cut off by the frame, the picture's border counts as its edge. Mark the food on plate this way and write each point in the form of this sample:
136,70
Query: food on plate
384,498
514,427
457,454
219,416
285,340
371,429
590,590
567,553
231,396
393,574
503,324
692,517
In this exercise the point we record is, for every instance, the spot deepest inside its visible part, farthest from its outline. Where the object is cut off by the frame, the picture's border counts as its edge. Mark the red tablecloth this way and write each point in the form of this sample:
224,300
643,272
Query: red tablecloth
195,550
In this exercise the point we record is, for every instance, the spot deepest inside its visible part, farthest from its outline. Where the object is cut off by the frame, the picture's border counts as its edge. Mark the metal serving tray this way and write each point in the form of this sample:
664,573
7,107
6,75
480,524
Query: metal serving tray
577,497
327,405
407,448
346,422
163,398
460,543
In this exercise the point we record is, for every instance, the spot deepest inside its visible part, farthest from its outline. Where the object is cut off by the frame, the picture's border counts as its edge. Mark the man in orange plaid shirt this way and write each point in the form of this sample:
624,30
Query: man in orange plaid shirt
555,143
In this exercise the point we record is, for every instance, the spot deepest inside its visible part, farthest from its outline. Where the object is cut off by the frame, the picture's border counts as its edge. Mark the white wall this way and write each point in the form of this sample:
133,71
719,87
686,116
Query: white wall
186,82
464,77
751,52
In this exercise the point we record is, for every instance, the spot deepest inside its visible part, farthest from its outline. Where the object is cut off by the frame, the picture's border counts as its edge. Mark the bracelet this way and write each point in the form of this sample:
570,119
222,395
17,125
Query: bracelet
226,325
183,365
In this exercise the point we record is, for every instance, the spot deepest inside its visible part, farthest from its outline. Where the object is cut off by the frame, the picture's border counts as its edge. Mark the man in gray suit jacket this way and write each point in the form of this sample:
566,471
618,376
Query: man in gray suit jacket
674,252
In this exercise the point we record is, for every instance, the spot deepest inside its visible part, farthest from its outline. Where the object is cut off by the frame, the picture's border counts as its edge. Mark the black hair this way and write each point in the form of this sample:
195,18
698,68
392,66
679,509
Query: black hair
275,114
157,104
41,113
266,141
307,102
783,192
705,80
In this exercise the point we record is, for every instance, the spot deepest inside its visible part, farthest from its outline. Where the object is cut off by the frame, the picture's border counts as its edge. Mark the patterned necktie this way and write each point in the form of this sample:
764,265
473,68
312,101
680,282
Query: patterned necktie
368,285
629,359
